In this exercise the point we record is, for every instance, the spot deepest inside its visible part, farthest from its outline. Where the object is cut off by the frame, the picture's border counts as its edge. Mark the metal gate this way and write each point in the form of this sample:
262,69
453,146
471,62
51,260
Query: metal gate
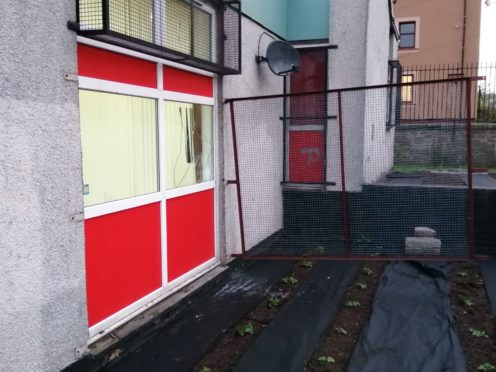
328,175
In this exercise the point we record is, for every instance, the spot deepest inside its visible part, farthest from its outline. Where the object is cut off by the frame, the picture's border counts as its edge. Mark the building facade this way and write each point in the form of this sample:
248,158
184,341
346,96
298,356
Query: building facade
115,148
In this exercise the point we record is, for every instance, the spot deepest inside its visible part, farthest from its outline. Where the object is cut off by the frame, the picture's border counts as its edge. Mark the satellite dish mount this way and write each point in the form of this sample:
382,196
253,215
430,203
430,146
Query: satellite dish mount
282,58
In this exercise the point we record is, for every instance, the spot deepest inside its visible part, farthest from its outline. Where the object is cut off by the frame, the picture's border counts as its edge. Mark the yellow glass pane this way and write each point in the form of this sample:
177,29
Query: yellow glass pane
202,34
189,144
178,26
407,91
119,146
133,18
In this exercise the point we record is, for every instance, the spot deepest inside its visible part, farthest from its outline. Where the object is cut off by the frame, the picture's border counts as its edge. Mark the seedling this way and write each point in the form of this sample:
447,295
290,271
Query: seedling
306,264
462,274
478,333
467,302
289,280
486,367
245,329
367,271
205,369
352,304
361,285
273,302
341,330
325,359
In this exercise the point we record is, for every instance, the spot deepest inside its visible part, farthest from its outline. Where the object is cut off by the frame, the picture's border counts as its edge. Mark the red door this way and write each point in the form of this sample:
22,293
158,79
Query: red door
308,119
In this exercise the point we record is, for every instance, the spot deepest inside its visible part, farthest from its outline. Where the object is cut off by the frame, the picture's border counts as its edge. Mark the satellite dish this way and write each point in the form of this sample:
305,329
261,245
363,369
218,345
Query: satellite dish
282,58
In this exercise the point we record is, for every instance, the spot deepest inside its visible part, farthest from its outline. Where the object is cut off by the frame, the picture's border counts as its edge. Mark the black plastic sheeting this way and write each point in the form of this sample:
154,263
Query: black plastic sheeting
180,344
411,327
290,338
488,271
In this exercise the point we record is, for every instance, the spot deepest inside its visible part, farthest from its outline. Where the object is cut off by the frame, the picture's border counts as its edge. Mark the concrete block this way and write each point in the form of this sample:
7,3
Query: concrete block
422,246
425,232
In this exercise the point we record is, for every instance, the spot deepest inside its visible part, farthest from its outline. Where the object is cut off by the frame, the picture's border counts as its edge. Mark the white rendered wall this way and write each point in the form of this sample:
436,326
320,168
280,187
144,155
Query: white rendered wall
378,140
260,185
42,286
361,31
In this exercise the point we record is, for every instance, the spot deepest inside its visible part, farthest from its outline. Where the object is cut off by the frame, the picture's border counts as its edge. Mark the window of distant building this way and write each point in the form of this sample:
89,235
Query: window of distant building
407,90
407,34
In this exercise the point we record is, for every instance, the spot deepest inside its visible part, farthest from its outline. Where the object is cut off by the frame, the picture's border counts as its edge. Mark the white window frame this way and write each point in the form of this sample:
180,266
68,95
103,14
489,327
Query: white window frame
163,195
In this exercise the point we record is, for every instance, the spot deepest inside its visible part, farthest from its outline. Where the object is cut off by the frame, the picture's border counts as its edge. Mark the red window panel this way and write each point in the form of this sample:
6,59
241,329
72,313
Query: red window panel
187,82
103,64
306,156
190,232
123,259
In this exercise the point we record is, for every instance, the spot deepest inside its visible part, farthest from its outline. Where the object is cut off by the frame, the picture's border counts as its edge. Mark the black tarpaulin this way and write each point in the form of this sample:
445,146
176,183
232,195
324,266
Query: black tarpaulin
411,327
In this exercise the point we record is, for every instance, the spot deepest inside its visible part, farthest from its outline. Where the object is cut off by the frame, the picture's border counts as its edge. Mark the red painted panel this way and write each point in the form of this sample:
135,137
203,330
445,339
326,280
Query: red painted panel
187,82
306,156
103,64
312,77
190,232
123,259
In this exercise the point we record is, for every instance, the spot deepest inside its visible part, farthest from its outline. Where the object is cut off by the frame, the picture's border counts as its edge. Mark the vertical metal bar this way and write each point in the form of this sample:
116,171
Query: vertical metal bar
78,18
470,196
106,15
344,199
192,31
238,182
285,127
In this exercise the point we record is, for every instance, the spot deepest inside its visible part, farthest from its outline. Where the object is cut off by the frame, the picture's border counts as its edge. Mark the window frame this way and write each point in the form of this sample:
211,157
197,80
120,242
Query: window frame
410,88
416,34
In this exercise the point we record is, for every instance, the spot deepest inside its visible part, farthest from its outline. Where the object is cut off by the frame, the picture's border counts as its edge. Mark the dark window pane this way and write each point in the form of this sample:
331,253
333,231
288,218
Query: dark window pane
407,28
407,41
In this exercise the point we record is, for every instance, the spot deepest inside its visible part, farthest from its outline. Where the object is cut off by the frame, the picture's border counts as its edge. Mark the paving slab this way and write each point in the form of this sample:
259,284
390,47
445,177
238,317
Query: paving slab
289,339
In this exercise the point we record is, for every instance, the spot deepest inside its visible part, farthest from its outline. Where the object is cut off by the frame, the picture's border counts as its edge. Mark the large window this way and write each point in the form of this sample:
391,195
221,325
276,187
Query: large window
407,34
189,150
119,145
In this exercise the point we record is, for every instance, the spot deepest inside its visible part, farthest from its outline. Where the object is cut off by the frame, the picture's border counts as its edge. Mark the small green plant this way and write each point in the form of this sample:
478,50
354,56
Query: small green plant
352,304
367,271
205,369
478,333
361,285
486,367
341,330
289,280
364,239
273,302
468,302
245,329
462,274
306,264
325,359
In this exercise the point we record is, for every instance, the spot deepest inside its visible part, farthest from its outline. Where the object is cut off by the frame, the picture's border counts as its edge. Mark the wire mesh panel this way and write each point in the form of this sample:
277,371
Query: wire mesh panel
336,175
204,34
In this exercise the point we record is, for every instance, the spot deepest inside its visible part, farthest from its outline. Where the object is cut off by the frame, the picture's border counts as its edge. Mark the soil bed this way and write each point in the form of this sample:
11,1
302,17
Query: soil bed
226,352
475,324
336,348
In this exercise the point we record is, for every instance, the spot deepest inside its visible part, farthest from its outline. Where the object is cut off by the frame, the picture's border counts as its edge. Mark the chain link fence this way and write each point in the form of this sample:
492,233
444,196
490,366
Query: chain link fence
321,175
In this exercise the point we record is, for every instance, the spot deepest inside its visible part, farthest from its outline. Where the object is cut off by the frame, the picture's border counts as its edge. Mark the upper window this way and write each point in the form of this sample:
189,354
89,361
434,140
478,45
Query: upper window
407,34
189,29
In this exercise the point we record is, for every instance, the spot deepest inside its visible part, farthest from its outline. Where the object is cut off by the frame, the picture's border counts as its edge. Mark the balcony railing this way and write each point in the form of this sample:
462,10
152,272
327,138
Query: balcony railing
205,34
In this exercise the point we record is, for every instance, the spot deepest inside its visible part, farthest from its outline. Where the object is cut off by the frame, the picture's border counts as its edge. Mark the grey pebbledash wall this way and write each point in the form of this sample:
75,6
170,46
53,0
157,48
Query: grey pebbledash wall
416,144
42,279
